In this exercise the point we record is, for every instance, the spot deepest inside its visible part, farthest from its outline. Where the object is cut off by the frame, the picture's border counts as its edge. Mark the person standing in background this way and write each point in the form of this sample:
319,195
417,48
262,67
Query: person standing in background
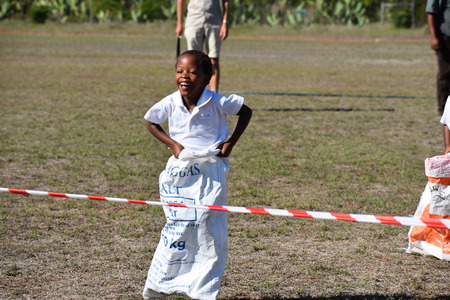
205,28
438,20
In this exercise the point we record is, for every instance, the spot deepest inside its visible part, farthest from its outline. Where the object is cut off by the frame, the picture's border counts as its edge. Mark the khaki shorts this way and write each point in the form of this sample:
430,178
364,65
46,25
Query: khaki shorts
207,36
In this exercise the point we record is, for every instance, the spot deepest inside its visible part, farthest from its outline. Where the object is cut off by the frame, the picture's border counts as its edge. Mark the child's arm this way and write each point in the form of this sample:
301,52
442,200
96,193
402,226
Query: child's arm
157,131
446,139
245,114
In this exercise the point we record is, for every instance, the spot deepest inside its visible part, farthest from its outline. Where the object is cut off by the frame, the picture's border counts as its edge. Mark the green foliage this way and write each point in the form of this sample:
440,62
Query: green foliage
43,10
350,12
245,12
64,10
12,8
5,10
40,14
273,13
169,9
107,10
136,14
401,18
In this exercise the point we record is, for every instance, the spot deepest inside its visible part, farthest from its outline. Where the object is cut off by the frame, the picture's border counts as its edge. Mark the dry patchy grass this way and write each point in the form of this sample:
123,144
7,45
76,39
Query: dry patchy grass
72,106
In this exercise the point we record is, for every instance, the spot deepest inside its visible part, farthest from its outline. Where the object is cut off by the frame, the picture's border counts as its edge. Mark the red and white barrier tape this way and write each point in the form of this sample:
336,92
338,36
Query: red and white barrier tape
405,221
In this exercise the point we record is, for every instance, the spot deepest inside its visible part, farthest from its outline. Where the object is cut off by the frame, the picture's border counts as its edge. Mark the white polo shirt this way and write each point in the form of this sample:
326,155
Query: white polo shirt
445,119
205,127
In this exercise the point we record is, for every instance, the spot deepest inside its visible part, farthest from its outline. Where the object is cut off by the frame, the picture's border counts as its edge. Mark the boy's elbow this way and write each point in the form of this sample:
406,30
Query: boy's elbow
245,111
152,126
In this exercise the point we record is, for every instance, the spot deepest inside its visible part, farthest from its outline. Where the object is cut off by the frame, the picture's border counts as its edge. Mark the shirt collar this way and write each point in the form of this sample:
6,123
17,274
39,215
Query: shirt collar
205,97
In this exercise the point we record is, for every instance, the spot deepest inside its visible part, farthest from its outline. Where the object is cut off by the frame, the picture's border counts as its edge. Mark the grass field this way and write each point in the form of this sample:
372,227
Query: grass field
73,99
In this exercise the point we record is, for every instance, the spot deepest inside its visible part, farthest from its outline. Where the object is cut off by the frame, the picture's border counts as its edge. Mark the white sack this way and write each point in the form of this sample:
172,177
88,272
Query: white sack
191,255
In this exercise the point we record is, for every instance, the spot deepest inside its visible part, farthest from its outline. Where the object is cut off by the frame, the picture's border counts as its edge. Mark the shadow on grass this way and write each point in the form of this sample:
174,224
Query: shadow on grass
323,109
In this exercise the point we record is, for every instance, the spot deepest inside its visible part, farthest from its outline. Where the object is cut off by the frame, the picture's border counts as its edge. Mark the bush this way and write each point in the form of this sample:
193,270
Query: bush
152,10
40,14
402,18
107,10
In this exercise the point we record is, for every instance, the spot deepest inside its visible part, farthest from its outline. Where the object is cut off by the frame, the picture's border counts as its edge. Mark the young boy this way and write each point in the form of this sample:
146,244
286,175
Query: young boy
190,257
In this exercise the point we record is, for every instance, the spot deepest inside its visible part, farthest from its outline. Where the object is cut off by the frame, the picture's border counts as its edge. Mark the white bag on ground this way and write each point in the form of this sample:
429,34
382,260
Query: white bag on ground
191,255
434,203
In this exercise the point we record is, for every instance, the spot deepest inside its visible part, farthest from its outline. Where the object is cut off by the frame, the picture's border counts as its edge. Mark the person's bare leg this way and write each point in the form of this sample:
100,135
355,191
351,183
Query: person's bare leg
214,83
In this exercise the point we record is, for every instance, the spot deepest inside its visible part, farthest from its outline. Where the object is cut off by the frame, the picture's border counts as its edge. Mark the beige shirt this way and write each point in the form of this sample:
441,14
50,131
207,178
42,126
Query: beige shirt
204,12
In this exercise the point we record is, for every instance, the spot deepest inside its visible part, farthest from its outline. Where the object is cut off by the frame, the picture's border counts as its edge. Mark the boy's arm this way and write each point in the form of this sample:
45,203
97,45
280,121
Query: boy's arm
245,114
157,131
446,139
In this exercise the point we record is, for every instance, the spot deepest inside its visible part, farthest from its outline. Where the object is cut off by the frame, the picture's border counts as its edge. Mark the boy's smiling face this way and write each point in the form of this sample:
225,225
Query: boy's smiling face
190,79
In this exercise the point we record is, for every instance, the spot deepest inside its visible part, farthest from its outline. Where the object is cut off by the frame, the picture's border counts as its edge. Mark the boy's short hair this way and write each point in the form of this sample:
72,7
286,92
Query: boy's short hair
203,61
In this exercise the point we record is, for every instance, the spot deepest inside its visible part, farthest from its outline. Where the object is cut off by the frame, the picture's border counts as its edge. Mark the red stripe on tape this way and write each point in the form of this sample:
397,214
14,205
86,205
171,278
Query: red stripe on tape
23,192
300,213
435,223
388,220
136,201
57,195
217,207
176,204
97,198
259,211
343,217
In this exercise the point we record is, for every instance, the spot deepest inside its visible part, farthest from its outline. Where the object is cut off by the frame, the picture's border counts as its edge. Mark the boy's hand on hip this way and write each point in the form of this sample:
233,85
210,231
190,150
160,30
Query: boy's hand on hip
225,149
176,150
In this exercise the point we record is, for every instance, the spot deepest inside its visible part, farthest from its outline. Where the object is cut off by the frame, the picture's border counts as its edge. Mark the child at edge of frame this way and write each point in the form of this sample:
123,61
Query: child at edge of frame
191,255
